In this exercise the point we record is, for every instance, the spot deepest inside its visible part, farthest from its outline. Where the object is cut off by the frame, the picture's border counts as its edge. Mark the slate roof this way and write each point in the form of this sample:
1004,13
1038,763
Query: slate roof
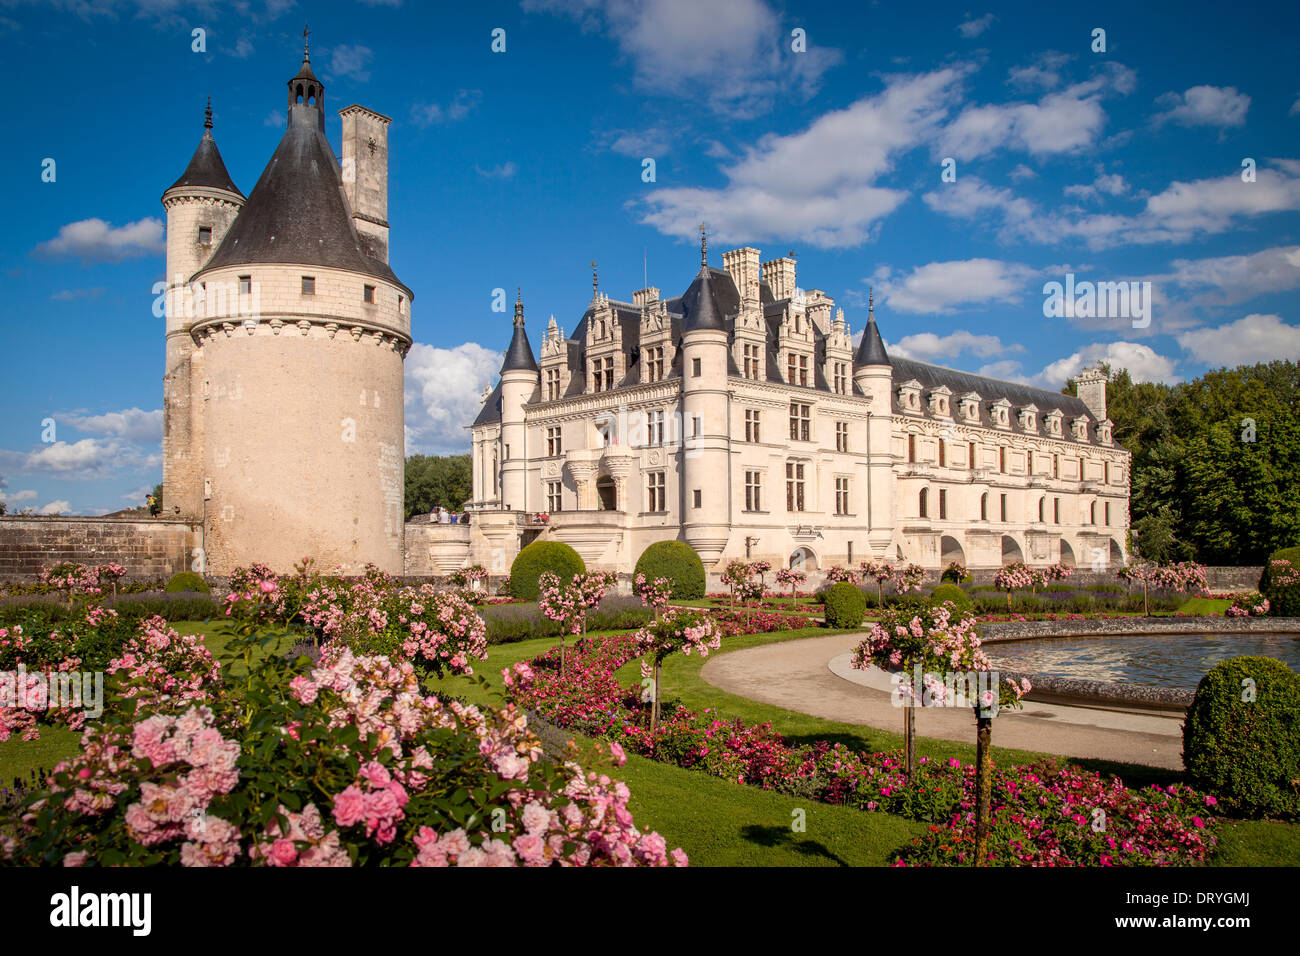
297,212
206,168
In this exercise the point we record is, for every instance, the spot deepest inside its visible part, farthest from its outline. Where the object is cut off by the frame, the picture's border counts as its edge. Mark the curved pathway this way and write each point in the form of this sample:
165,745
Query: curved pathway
813,676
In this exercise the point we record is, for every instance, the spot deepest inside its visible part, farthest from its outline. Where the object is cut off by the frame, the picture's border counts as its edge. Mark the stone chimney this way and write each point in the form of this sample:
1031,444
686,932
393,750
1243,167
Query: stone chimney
645,297
742,265
1091,387
365,176
779,275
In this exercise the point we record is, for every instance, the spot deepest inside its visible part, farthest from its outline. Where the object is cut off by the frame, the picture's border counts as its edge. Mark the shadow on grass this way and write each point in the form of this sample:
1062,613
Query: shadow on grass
774,836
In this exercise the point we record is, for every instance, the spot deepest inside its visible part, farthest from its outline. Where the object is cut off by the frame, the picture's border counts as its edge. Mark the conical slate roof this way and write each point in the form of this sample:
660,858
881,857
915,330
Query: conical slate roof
519,356
700,307
206,168
297,213
871,350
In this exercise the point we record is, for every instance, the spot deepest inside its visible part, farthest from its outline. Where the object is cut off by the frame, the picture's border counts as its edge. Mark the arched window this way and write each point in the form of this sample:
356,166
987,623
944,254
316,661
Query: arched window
1042,506
1092,513
925,502
984,506
298,94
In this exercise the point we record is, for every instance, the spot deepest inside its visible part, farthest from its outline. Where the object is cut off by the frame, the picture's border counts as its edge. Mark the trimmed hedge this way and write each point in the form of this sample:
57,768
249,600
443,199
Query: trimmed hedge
1246,752
845,605
186,581
538,558
1282,601
950,592
676,561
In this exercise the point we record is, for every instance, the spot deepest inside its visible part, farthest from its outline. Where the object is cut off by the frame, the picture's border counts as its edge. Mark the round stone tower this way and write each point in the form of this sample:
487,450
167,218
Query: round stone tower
519,380
705,461
874,377
299,336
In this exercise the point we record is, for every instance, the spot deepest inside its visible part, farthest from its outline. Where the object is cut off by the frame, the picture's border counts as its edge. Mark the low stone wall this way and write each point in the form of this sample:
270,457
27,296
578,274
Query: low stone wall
436,549
149,548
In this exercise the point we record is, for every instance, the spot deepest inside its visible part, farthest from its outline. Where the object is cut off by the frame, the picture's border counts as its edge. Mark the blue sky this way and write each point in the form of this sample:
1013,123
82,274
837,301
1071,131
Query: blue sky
519,168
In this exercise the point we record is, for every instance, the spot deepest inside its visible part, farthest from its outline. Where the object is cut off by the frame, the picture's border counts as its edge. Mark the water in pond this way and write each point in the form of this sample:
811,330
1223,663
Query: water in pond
1162,660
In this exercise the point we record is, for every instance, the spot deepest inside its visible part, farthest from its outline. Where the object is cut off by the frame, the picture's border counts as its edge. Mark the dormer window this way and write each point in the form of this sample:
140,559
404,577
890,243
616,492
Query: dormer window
970,407
939,402
1103,431
1029,418
1000,412
1053,422
1079,428
909,396
205,235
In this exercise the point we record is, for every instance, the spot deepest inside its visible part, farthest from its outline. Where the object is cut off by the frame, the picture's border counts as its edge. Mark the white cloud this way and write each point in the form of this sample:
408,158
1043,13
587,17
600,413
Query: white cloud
1238,278
95,240
1044,72
274,118
972,27
17,496
817,185
1022,172
350,60
940,287
735,56
1295,107
505,170
72,295
1254,338
1008,370
927,346
1112,185
58,507
1204,106
1061,122
133,423
1143,363
431,114
443,387
87,458
639,143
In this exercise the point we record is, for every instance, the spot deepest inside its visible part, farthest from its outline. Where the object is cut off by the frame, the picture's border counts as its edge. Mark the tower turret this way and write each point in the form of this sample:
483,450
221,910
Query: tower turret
200,207
520,378
874,377
705,501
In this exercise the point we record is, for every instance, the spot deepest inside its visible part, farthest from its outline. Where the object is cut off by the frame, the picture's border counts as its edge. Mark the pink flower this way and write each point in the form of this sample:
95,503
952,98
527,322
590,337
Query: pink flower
350,807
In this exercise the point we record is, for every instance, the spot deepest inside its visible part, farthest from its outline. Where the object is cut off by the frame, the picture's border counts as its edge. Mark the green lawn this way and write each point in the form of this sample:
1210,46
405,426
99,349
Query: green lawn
719,823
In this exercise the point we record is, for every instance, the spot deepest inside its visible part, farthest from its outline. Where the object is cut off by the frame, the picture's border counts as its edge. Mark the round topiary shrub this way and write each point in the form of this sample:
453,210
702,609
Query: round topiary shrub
950,592
845,605
538,558
1282,585
186,581
1241,738
676,561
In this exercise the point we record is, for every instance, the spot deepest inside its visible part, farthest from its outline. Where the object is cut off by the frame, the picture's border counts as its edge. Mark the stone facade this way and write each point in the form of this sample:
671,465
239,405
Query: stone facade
739,418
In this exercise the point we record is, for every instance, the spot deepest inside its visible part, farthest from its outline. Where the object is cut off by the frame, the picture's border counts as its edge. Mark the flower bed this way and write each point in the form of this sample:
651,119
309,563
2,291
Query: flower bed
1147,826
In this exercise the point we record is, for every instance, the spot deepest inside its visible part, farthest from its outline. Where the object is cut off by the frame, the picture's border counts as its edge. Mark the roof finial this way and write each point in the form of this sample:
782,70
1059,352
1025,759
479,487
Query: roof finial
306,50
704,244
519,306
207,115
595,284
871,304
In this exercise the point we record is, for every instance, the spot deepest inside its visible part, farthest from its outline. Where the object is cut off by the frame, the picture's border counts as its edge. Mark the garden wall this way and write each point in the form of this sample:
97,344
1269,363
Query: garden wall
149,548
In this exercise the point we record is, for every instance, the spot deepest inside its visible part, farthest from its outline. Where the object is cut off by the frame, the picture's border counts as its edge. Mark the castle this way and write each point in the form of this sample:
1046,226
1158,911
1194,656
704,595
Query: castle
740,418
737,417
286,332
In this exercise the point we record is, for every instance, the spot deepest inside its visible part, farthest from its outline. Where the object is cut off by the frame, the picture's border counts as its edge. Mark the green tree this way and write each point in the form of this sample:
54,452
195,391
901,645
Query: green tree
442,481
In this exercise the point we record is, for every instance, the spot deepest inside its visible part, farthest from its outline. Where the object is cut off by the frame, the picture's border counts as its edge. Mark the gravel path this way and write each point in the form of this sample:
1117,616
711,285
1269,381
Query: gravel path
812,676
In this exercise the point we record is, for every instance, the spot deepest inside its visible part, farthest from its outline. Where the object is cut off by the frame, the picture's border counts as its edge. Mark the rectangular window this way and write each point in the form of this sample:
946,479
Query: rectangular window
205,235
654,364
1082,473
401,305
696,497
752,429
609,373
971,460
911,448
984,507
751,361
554,442
753,491
1056,466
1108,514
1056,510
554,491
943,454
800,422
695,368
943,504
308,285
1004,507
841,378
368,294
1002,459
552,384
794,485
655,497
841,496
841,436
655,427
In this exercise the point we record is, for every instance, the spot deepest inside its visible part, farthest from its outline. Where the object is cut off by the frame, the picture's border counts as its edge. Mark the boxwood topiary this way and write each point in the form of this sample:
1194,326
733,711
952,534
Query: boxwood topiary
186,581
950,592
538,558
678,562
1283,600
1241,738
845,605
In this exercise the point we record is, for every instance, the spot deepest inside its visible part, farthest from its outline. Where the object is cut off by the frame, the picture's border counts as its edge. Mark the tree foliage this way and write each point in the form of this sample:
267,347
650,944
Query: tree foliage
442,481
1214,462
